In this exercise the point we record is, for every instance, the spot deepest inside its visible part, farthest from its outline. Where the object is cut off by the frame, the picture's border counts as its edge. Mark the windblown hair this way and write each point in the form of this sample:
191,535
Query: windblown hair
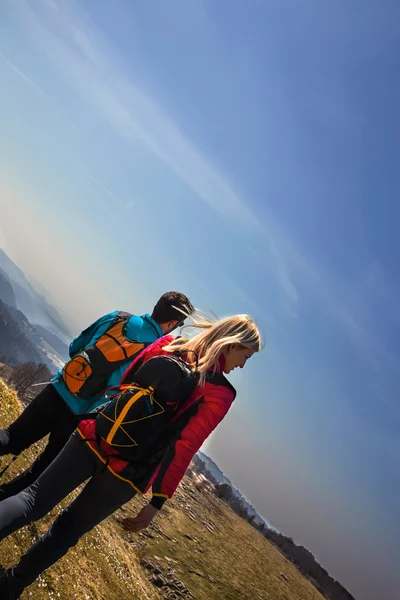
217,336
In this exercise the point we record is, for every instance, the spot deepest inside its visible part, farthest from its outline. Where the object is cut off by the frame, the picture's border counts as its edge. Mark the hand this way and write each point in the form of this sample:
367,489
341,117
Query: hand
141,521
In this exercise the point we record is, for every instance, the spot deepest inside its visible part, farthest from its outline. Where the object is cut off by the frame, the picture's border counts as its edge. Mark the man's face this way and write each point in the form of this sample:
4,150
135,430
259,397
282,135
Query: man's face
171,325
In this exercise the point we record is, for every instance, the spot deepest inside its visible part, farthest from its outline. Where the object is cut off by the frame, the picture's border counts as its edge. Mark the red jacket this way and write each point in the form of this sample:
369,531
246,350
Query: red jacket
195,420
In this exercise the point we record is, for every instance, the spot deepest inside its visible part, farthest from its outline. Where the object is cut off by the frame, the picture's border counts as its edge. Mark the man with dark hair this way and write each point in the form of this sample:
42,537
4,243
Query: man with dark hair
169,308
99,357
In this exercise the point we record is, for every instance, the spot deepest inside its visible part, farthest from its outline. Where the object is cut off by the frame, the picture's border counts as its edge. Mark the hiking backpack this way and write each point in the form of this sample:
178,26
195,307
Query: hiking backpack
87,373
137,412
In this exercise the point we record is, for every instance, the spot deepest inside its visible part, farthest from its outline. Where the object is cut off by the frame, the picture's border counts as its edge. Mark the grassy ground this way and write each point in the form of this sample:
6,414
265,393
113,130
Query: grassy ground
197,548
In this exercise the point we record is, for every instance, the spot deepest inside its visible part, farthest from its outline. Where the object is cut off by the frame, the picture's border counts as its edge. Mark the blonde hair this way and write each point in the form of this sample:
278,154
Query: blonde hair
211,343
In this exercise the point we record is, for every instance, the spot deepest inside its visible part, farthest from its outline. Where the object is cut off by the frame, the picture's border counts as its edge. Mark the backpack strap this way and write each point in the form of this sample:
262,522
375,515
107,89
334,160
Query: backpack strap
130,377
122,316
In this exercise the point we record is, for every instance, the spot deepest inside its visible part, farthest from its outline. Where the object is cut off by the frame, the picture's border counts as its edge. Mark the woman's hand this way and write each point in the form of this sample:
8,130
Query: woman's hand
141,521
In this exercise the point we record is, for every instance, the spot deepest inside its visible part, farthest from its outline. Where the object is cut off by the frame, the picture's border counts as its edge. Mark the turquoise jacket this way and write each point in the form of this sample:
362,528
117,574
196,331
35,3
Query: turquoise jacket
141,329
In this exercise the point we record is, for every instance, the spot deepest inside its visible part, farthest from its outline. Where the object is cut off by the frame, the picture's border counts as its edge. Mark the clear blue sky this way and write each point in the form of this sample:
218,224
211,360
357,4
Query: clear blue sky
246,153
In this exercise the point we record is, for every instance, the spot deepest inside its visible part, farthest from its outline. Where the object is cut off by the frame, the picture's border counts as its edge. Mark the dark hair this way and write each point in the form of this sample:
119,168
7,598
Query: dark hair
172,306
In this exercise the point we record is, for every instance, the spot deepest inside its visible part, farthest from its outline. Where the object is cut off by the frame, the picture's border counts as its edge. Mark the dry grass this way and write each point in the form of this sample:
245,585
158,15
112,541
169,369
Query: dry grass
231,560
197,538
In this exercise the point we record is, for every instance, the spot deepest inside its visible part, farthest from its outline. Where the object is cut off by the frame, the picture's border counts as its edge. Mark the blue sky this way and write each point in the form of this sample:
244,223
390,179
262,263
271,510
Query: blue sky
246,154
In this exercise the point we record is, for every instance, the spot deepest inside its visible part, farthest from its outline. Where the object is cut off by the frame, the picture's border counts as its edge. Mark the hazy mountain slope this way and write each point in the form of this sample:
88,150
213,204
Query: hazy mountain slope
15,345
30,302
6,291
54,341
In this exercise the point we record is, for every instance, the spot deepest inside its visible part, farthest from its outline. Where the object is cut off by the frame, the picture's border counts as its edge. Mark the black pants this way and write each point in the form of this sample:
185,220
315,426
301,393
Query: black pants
47,414
101,496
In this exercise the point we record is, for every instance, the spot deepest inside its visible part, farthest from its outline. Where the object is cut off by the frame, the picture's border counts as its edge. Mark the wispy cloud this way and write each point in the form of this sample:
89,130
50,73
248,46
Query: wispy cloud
284,279
22,75
98,73
38,89
102,187
72,124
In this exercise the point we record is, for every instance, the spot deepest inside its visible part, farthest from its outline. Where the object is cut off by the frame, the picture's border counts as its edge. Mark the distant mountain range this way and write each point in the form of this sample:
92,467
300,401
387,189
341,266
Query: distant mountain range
15,345
205,464
33,304
30,328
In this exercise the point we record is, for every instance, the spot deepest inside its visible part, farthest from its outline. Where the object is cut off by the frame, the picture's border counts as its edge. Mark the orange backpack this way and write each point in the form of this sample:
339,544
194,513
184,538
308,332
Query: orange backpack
87,373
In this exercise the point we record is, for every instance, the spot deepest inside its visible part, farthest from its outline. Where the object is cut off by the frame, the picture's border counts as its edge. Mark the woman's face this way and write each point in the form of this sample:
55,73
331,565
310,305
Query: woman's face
236,356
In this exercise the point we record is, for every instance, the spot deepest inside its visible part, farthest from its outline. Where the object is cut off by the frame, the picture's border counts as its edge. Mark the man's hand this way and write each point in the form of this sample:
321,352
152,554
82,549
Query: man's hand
141,521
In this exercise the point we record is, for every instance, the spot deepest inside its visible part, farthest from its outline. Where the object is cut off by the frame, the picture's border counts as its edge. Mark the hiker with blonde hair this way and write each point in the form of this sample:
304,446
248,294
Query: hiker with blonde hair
172,396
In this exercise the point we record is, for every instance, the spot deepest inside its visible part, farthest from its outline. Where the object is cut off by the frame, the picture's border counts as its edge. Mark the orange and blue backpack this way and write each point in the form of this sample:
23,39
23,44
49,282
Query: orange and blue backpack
87,373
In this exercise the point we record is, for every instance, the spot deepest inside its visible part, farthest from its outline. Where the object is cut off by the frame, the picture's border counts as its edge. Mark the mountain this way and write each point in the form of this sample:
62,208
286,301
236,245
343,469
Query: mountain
15,345
45,344
34,306
46,296
6,291
11,269
35,321
217,477
20,341
54,341
214,473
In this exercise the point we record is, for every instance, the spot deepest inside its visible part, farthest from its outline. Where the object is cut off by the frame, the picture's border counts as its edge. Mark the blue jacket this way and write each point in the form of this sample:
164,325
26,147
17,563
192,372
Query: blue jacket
142,329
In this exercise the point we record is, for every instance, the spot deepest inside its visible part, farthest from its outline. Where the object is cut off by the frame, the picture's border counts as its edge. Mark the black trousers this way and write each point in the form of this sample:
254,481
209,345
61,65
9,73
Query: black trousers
101,496
47,414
